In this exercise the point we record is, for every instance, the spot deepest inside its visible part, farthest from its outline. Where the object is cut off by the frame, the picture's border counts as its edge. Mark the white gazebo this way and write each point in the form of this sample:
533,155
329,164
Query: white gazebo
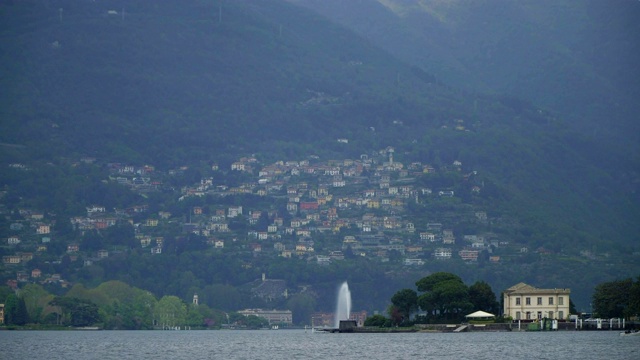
480,315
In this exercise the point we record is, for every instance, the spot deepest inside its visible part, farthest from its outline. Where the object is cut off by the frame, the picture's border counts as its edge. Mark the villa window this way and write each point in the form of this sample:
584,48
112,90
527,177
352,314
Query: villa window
517,301
550,314
539,301
550,300
527,301
560,314
517,315
560,300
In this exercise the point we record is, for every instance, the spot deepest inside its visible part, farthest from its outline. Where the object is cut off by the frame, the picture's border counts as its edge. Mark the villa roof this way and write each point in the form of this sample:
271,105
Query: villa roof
522,288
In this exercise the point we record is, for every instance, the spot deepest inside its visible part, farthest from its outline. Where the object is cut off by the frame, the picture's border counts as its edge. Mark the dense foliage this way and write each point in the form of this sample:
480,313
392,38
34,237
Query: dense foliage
115,305
15,311
617,299
443,297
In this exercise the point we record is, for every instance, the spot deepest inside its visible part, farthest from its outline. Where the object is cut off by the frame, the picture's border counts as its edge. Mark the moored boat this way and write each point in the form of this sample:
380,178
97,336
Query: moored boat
630,333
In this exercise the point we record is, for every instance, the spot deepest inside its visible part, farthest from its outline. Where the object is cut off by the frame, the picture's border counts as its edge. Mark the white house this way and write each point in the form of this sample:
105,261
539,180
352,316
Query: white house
13,240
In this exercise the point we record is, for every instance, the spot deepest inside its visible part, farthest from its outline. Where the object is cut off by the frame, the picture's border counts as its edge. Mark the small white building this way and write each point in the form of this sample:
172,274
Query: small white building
13,240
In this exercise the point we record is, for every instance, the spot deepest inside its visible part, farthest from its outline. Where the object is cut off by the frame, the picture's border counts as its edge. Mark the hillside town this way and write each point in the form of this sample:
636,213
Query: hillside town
321,211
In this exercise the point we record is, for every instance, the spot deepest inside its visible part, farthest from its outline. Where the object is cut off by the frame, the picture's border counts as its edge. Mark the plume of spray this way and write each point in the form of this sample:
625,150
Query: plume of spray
343,304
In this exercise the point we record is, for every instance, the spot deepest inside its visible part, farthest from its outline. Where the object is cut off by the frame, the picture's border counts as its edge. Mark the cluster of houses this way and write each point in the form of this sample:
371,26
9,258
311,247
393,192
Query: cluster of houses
374,190
360,205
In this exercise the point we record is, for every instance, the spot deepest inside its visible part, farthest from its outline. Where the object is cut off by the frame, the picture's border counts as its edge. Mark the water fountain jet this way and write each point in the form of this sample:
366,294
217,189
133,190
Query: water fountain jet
343,305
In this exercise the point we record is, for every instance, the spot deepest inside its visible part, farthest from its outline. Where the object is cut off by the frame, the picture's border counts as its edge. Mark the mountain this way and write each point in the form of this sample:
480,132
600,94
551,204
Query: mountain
577,58
184,85
195,77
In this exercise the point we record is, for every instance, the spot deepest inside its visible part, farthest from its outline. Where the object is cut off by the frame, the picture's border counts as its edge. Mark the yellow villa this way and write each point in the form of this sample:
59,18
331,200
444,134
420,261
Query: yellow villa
525,302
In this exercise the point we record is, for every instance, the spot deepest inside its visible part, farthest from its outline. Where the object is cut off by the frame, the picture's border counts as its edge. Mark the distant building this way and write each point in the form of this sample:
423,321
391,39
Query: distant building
326,319
273,316
322,319
468,255
11,259
442,253
13,240
413,262
269,289
359,317
525,302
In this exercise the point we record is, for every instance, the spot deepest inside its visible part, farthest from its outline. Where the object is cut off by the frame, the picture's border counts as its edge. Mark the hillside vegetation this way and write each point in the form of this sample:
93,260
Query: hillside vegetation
574,57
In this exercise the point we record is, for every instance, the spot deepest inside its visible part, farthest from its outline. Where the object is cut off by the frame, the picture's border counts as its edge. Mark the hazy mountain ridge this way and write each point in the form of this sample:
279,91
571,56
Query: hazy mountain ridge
151,85
574,57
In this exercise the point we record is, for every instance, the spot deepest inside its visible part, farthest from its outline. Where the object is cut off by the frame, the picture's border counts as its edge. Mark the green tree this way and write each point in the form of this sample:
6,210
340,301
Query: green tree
445,296
406,300
77,312
122,306
205,317
109,291
10,308
376,320
5,291
117,316
15,311
483,298
36,299
170,311
428,282
22,315
395,316
142,309
612,299
634,299
194,317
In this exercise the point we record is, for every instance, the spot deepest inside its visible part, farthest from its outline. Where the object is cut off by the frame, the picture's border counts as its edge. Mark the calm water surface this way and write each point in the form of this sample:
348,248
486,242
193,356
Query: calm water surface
298,344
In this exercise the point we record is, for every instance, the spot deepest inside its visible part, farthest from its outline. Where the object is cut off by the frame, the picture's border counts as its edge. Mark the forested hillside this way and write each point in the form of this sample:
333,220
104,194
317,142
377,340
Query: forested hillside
574,57
103,99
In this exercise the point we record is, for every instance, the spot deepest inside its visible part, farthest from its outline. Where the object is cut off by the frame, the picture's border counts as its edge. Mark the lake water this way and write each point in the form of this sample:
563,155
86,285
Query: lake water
298,344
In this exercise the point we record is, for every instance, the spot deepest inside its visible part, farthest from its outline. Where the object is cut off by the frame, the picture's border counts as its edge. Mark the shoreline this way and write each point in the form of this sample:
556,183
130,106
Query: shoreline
488,327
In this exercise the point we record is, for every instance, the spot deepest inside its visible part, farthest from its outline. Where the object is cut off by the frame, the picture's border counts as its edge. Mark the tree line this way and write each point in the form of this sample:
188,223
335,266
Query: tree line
440,298
617,299
113,305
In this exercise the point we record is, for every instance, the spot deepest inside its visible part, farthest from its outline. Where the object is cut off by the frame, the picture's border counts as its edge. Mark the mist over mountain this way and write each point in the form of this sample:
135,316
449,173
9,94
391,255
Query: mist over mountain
536,101
574,57
165,73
